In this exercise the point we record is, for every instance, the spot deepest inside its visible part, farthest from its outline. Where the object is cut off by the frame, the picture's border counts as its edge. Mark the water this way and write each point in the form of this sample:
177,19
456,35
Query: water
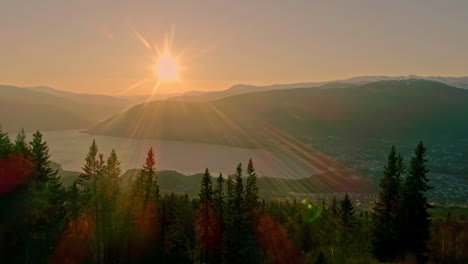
69,148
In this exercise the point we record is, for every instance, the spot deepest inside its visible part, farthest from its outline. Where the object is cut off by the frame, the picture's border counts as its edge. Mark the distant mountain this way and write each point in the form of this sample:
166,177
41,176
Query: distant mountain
45,108
199,96
409,109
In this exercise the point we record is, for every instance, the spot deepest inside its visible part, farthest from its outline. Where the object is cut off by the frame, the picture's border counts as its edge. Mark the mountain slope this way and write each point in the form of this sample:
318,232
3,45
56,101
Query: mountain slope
413,109
45,108
199,96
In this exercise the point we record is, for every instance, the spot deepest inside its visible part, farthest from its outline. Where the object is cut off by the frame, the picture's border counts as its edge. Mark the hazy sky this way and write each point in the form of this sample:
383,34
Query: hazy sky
91,46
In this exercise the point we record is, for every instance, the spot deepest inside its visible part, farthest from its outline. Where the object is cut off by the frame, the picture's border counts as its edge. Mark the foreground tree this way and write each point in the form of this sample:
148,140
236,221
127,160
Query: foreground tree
147,181
251,188
416,218
206,189
386,215
21,146
347,217
47,193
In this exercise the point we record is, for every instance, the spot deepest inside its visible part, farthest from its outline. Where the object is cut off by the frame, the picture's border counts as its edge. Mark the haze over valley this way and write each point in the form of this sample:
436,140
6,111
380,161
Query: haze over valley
282,127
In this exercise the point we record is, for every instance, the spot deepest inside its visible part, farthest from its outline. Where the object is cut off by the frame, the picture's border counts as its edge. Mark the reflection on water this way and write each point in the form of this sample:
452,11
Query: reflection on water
69,148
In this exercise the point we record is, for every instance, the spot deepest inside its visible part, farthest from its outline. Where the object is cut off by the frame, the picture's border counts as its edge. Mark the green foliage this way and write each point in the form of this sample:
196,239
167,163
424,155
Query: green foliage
416,218
21,146
238,189
386,214
251,188
206,189
146,184
113,224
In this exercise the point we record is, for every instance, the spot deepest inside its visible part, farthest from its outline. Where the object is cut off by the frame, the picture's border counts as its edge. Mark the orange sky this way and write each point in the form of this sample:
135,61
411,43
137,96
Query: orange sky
92,46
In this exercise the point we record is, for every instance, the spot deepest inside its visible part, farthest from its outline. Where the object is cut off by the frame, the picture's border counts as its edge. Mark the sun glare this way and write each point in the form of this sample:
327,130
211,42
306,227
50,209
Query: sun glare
166,68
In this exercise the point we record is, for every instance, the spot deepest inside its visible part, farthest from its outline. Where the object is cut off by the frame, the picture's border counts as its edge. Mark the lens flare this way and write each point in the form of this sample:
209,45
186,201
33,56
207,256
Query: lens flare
167,68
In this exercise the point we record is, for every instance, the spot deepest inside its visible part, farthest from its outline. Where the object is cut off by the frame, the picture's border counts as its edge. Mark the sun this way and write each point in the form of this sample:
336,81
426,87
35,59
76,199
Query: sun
167,68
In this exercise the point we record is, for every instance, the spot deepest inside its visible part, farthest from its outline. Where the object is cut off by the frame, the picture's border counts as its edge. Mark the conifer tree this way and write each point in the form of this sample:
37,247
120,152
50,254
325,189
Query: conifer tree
20,143
206,188
41,158
239,189
416,231
219,205
110,190
46,187
229,194
5,144
112,174
219,194
91,166
251,188
346,212
146,184
72,204
387,213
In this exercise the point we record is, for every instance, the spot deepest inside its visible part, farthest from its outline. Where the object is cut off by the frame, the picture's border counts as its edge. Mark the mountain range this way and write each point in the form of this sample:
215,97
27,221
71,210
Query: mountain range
46,108
199,96
398,109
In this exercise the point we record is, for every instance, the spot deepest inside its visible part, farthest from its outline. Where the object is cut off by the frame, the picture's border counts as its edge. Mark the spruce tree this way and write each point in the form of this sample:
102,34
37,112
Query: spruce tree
346,212
110,190
91,166
48,187
415,207
113,169
147,181
219,194
386,212
229,195
112,174
219,205
5,144
251,188
41,158
20,143
206,188
239,189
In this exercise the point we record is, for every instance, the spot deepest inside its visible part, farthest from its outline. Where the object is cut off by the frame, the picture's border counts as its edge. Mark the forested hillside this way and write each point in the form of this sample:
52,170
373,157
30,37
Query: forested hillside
101,219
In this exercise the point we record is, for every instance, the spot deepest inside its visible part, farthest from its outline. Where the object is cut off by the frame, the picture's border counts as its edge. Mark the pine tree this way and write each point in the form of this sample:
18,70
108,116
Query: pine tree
48,188
387,213
112,174
109,191
146,183
251,188
415,207
206,189
239,189
219,205
346,212
219,194
41,158
91,166
113,166
5,144
20,143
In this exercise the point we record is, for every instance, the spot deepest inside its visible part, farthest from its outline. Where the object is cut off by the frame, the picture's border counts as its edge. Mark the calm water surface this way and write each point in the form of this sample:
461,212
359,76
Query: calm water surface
69,148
